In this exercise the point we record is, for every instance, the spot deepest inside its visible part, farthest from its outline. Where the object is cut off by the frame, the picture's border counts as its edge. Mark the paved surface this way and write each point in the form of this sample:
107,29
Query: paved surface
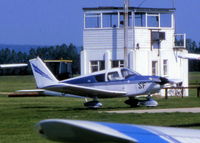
169,110
5,93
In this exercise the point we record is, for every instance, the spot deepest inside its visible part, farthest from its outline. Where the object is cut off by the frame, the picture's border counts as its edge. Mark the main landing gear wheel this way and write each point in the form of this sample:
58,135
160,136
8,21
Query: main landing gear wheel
149,102
133,102
95,104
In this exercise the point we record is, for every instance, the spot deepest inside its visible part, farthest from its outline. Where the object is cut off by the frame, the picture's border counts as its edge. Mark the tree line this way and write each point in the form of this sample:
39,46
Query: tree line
67,52
193,47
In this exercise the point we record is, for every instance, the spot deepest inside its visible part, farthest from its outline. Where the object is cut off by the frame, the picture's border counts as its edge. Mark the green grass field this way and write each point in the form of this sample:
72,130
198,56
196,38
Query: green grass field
18,116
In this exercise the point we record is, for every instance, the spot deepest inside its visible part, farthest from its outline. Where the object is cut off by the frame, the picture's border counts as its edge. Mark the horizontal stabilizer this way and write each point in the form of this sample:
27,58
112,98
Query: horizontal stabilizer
45,93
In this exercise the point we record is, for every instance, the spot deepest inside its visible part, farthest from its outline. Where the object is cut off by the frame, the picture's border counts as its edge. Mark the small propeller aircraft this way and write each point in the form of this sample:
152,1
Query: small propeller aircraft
77,131
112,83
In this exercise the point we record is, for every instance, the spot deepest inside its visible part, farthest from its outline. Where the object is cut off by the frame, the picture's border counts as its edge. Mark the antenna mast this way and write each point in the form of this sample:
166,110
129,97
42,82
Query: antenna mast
126,5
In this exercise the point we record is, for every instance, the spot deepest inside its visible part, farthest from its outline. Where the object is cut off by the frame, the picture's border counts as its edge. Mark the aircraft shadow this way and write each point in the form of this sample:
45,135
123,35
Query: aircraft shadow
59,108
187,125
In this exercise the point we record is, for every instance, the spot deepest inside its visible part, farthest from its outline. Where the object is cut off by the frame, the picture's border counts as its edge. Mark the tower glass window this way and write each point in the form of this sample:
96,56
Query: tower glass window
110,19
165,20
92,20
140,19
153,20
130,23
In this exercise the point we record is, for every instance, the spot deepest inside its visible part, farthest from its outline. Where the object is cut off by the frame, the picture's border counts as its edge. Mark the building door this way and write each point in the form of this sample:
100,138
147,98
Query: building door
154,67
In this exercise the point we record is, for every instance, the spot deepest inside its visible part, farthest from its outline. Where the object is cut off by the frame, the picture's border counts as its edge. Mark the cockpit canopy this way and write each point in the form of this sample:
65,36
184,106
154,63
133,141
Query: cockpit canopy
104,76
127,73
120,74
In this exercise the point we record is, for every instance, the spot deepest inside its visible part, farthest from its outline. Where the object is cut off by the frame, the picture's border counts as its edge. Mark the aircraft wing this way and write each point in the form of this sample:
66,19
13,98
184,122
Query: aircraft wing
190,56
76,131
84,91
13,65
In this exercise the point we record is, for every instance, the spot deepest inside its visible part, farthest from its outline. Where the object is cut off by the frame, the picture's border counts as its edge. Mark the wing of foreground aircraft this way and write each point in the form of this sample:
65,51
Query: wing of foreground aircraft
76,131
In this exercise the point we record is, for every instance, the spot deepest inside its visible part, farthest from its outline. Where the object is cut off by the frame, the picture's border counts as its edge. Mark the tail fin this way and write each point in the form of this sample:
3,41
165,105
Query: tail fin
42,74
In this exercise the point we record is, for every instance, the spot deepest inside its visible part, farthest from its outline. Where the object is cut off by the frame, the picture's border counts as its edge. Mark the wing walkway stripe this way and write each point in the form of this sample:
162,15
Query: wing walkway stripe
135,132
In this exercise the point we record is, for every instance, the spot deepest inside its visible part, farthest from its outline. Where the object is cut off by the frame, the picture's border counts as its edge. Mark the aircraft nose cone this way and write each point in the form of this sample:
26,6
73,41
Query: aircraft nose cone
39,129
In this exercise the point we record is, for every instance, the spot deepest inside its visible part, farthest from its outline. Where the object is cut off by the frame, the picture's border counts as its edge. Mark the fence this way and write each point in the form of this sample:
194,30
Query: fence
181,90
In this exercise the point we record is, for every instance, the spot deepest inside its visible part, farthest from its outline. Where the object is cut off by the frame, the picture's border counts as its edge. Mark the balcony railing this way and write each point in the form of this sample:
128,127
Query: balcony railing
180,41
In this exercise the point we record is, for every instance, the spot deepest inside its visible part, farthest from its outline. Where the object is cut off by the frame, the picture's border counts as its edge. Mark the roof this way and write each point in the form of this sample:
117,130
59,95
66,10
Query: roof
138,9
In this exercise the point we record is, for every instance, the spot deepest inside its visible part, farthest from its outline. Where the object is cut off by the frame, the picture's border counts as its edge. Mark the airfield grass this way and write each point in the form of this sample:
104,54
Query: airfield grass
18,116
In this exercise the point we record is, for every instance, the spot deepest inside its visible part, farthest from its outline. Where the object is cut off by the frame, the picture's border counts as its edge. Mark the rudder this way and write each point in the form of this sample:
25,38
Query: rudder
43,76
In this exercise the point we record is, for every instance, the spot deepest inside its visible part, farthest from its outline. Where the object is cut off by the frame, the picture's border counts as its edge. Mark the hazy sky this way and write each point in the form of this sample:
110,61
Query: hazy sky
50,22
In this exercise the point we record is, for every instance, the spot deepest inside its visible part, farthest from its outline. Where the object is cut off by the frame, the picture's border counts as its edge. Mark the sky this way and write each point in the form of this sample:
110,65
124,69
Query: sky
53,22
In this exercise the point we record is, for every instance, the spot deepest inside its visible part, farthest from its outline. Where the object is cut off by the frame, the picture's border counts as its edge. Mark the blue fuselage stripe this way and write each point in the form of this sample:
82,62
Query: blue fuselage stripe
135,132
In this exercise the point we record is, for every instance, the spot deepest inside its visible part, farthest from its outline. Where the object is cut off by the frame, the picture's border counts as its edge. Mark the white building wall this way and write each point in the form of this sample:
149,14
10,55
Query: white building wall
142,38
106,38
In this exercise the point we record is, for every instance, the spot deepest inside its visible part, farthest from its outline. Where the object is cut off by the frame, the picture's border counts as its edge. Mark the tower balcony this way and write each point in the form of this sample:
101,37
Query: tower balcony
180,41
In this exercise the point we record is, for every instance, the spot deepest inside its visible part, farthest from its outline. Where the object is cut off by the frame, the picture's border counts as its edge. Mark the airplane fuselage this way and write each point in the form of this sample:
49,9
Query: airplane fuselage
133,85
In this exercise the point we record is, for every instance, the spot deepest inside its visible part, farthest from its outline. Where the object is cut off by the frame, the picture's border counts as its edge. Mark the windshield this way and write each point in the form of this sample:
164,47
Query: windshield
127,73
113,76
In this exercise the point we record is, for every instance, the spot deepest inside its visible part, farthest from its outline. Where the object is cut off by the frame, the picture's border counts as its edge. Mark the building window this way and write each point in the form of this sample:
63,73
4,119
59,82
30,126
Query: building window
155,44
165,20
117,63
130,23
140,19
165,67
156,38
110,19
93,20
97,65
153,20
154,67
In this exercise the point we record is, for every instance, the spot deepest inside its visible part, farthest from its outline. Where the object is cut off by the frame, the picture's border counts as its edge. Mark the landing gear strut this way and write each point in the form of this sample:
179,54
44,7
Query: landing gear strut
149,102
94,104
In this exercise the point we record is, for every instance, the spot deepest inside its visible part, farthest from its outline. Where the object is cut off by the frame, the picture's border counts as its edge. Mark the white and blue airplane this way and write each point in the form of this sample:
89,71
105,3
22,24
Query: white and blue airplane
112,83
77,131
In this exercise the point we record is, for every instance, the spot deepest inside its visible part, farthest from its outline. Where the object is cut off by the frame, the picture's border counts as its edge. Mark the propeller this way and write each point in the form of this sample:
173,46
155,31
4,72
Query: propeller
163,80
